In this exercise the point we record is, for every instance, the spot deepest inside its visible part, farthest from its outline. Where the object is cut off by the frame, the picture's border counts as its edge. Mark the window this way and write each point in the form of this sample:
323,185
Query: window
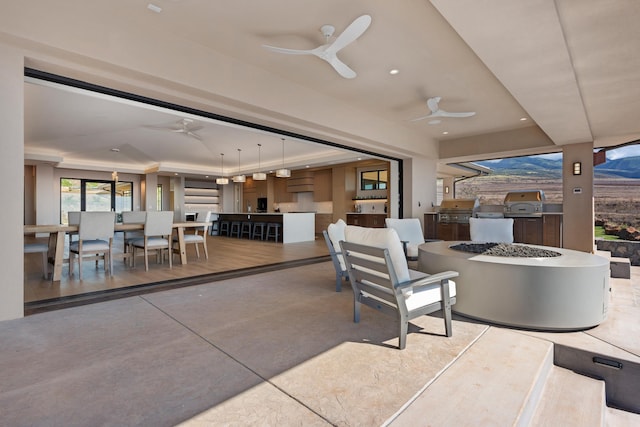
373,180
94,195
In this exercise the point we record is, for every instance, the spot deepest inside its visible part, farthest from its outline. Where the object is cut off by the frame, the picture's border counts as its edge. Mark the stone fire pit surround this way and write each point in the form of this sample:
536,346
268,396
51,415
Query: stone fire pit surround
559,293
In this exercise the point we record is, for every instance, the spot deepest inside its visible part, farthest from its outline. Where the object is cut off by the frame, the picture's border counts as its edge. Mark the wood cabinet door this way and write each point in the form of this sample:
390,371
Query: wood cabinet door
552,230
527,230
375,221
430,226
446,231
354,220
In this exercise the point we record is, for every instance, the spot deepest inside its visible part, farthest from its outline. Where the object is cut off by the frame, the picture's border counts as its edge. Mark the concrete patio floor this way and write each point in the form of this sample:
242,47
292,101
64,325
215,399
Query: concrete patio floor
280,348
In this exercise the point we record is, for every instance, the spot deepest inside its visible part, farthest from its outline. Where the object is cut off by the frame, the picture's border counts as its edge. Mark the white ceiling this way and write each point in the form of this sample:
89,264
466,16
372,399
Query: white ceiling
569,67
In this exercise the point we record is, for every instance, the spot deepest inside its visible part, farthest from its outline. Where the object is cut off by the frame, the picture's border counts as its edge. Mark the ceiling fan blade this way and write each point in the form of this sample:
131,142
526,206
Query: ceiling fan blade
443,113
290,51
422,118
193,135
350,34
342,68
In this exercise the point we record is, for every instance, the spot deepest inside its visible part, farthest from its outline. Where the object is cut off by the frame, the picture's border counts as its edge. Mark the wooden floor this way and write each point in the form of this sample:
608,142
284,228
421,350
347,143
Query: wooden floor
228,257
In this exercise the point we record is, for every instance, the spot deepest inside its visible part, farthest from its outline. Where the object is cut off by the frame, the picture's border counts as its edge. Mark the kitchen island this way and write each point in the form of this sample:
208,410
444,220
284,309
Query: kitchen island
294,226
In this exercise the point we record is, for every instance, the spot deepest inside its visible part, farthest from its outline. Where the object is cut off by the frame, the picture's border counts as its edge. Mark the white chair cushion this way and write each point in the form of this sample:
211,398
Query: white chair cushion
381,238
191,238
427,295
336,234
32,248
90,245
409,230
152,243
493,230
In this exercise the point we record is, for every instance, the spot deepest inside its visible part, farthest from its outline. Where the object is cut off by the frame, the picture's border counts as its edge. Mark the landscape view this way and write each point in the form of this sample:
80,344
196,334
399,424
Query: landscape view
616,186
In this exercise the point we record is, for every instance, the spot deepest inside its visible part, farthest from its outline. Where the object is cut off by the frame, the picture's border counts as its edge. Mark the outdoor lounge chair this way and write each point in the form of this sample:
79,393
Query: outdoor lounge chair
410,232
332,236
381,279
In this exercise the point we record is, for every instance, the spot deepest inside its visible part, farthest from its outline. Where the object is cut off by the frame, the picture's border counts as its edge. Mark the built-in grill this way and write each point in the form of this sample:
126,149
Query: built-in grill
525,203
457,210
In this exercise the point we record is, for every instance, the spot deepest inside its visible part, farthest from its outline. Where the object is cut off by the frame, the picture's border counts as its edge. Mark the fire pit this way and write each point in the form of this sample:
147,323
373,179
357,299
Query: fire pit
505,249
566,292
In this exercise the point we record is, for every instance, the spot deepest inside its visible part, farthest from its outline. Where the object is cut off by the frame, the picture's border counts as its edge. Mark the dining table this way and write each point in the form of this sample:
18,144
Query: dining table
57,234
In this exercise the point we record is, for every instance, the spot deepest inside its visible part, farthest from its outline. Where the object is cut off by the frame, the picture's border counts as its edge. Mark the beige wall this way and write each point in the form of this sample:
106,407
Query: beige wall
577,203
12,188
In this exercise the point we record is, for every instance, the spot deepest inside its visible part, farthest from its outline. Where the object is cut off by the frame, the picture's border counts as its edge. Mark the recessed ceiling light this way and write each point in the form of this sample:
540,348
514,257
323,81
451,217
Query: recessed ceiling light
307,166
445,133
153,7
176,173
115,150
394,71
523,119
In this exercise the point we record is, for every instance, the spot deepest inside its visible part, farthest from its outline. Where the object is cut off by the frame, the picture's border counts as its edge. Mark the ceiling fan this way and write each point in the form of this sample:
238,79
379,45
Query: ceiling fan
436,112
186,127
328,50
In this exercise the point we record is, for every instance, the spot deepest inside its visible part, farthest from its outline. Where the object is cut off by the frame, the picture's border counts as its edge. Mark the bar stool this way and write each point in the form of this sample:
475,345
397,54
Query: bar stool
235,229
258,230
273,230
224,228
245,228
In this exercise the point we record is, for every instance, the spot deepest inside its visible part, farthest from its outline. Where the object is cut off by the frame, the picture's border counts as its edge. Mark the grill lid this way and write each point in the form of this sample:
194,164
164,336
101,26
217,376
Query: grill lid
532,196
459,205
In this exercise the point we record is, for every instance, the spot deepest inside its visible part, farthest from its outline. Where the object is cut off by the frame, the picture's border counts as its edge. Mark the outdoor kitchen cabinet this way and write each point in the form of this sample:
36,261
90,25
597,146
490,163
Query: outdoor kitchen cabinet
528,230
545,230
431,226
552,230
453,231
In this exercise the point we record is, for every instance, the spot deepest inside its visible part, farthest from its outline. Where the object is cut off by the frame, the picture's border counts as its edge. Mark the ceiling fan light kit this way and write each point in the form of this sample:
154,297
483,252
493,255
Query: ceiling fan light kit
328,51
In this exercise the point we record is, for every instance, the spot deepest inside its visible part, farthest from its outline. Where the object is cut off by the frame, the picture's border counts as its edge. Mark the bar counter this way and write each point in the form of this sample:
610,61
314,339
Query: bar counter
295,226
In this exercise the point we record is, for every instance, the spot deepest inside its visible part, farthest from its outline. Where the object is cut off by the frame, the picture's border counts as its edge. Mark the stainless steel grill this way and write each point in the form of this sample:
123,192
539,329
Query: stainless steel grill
457,210
525,203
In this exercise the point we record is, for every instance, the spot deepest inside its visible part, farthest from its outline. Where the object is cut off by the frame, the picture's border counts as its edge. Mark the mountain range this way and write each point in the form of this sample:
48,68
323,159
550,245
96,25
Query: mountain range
627,167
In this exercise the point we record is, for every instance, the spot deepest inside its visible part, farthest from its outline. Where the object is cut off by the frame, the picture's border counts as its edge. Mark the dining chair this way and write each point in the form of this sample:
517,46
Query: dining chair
41,248
199,235
73,218
132,217
95,237
158,227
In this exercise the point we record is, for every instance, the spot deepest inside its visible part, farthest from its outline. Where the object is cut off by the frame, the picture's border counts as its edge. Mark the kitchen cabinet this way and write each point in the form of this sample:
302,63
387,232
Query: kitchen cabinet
552,230
367,220
322,222
281,195
430,226
453,231
527,230
322,185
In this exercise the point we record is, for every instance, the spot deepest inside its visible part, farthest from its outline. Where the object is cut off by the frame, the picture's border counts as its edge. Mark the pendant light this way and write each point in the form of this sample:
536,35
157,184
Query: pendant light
222,180
283,173
259,176
239,178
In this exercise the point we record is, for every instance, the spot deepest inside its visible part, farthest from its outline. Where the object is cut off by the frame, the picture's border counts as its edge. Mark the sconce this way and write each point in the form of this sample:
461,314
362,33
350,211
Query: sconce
446,189
577,168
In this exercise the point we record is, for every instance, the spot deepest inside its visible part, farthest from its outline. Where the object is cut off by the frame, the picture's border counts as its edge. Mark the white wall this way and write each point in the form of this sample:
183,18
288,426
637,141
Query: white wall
420,180
12,188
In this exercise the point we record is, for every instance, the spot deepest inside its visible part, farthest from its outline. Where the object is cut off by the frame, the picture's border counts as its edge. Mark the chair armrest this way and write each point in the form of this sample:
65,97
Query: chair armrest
428,280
